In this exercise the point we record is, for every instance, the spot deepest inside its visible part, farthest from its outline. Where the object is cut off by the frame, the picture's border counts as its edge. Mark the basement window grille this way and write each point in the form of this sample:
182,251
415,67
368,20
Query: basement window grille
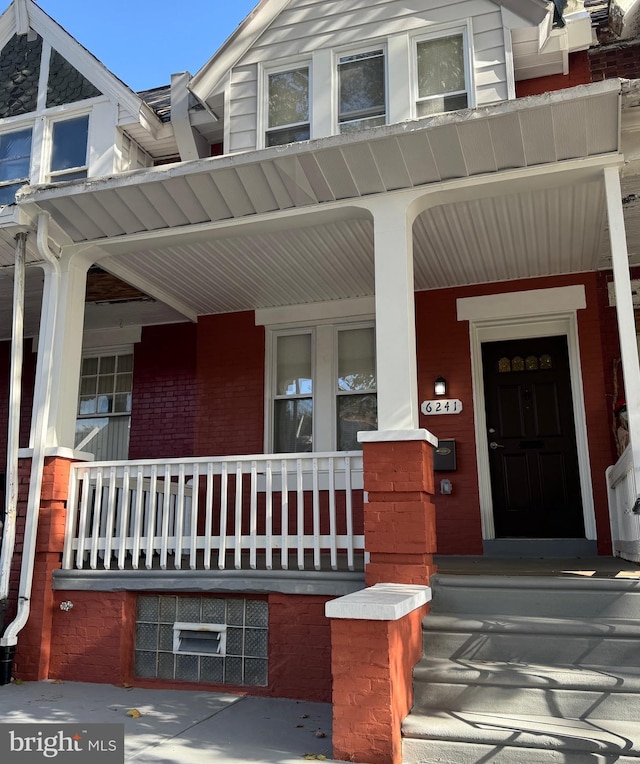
200,638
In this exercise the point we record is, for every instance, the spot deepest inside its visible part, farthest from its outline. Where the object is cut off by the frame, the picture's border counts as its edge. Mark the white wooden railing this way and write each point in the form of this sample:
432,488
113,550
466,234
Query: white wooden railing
623,500
242,512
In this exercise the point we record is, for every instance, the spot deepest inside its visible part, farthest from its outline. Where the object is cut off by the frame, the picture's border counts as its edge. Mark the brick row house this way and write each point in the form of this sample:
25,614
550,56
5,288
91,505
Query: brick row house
246,315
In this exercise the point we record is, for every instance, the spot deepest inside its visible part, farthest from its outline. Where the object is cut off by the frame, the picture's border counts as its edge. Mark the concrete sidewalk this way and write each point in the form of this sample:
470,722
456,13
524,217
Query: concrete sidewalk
180,726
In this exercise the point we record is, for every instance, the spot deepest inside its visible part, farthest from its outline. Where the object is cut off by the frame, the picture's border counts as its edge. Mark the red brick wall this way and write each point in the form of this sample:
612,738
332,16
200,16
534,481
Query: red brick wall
163,409
446,352
230,375
621,59
579,74
372,665
94,642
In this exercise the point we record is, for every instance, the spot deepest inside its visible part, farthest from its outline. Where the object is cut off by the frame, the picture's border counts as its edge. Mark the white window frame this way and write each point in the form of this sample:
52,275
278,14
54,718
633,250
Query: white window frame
59,176
324,370
467,47
18,128
264,72
371,47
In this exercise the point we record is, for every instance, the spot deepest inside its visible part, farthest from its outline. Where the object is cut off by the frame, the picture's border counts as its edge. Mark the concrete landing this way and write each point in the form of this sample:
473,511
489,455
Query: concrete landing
570,567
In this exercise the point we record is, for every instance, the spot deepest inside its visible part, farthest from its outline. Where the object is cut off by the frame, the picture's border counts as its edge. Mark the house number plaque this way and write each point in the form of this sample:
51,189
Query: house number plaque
441,406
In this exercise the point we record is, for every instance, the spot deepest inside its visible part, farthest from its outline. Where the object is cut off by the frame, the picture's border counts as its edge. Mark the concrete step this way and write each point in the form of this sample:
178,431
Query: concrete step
544,596
559,691
522,639
474,737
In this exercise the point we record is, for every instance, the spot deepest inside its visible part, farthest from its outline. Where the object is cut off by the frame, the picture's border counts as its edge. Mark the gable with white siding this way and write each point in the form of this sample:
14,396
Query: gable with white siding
313,30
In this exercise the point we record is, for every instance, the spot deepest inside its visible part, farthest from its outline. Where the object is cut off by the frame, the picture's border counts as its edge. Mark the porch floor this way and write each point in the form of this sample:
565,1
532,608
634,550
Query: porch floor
587,567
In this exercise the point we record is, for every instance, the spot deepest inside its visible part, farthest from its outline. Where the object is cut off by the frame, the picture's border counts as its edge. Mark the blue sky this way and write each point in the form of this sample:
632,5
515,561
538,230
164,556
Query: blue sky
144,41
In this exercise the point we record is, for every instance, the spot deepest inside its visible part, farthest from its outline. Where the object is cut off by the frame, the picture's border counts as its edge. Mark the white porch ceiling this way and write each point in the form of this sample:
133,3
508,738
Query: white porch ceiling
282,226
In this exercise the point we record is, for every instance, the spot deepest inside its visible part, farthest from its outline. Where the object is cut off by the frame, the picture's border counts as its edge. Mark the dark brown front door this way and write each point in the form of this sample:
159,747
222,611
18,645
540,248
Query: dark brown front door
531,435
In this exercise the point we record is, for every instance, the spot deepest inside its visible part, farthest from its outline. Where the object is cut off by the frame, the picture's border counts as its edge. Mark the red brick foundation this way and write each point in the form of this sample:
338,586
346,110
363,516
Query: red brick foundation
399,518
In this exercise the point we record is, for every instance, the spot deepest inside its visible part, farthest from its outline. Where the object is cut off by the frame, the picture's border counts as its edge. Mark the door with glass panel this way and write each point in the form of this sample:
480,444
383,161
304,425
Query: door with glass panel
104,407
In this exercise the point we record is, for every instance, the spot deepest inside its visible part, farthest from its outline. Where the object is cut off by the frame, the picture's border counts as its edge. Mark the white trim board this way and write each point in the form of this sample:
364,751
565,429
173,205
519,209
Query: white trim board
517,315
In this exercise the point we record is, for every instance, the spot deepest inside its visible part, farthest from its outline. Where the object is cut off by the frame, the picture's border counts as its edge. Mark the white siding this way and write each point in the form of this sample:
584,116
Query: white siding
306,26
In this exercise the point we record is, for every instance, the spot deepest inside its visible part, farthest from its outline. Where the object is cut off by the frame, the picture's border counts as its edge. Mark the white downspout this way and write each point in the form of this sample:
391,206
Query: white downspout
41,415
13,435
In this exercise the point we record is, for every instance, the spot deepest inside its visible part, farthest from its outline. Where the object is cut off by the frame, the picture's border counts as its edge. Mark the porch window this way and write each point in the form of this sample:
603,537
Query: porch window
288,107
69,139
324,388
104,408
15,160
361,91
441,75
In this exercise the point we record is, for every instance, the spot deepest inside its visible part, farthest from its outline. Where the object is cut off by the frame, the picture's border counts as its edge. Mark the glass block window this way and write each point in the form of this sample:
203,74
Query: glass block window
288,107
15,160
361,91
66,84
19,75
245,622
441,75
69,149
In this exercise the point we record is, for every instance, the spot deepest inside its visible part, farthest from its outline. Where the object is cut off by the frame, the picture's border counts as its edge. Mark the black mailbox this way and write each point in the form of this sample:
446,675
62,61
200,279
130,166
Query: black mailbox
444,456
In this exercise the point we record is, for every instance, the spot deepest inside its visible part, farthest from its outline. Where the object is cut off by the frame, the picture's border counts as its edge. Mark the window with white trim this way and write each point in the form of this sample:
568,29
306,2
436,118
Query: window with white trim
362,99
441,74
288,115
323,387
69,149
15,161
104,407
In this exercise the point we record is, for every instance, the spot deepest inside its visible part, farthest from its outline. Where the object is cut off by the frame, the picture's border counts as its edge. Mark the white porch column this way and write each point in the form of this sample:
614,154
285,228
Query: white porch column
624,311
61,330
395,314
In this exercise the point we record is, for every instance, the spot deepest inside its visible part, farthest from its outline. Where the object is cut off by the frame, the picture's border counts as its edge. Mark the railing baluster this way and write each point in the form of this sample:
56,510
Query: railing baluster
82,522
137,518
349,509
253,516
110,524
208,518
333,528
124,518
72,516
300,513
224,497
151,516
193,530
284,487
269,514
95,530
238,526
316,516
166,510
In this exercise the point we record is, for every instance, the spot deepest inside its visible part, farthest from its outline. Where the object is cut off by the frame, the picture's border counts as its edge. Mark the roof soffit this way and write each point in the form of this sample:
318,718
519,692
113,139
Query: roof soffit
132,107
535,12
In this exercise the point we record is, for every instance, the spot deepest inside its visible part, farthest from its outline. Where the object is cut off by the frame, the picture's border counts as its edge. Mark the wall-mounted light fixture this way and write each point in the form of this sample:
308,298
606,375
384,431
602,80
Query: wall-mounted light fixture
440,386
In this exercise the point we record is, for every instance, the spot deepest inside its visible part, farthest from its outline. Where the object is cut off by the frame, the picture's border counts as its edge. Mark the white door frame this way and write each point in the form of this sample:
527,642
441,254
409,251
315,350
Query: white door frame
518,315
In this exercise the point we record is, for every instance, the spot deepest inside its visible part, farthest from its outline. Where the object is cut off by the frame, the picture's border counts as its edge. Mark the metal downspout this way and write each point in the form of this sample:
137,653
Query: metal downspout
13,434
41,408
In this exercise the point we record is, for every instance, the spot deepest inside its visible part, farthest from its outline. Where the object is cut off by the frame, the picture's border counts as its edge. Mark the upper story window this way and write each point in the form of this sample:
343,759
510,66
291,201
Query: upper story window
39,86
15,159
288,106
69,140
361,91
442,82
